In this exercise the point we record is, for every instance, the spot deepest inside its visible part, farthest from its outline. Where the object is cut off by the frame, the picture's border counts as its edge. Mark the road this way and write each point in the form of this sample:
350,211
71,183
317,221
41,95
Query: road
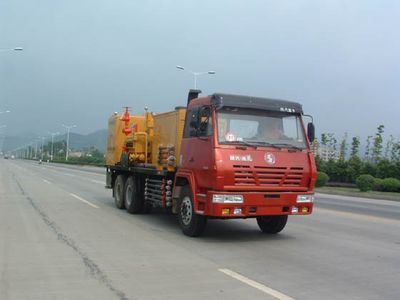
62,238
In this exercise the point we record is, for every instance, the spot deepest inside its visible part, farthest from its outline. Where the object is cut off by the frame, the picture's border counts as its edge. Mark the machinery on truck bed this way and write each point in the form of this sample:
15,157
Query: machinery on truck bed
222,156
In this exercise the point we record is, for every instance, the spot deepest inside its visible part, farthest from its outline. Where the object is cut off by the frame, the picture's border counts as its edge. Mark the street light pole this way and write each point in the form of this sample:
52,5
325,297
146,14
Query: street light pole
195,74
68,128
30,151
42,150
52,143
36,149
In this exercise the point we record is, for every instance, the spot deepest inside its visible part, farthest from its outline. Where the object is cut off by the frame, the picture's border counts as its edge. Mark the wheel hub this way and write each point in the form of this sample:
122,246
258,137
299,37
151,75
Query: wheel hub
186,210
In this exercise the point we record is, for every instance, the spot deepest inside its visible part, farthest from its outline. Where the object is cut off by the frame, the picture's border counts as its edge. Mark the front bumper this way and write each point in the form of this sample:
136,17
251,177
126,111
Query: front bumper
255,204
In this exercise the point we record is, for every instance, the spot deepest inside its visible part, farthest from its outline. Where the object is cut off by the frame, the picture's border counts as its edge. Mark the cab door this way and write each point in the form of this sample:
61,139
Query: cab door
197,155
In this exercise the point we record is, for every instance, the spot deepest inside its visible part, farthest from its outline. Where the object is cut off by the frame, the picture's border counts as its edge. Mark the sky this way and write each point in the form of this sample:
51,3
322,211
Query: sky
84,60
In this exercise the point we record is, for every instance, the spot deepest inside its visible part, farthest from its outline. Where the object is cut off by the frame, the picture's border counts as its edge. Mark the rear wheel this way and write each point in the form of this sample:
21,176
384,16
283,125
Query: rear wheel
119,187
272,224
133,199
191,223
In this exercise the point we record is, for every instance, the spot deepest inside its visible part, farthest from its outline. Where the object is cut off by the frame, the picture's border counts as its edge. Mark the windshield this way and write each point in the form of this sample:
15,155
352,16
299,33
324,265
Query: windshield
258,128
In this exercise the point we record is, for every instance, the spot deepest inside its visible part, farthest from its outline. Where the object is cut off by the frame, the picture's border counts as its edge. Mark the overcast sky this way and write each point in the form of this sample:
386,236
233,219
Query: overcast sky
85,59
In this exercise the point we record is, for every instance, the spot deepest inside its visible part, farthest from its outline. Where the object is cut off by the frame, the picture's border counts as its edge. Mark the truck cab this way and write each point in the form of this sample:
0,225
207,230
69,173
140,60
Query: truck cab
243,157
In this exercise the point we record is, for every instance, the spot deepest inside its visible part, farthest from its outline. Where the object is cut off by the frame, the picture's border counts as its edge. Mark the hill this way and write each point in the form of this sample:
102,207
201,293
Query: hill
97,139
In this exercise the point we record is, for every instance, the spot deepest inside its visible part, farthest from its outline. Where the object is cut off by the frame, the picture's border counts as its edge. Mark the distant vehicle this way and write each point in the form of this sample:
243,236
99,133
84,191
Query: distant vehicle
223,156
12,156
5,156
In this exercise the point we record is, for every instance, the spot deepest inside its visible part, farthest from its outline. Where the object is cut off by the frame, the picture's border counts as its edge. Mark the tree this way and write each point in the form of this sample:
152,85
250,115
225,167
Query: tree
385,169
343,147
324,139
355,146
332,141
368,148
321,165
389,146
354,165
395,152
315,147
377,148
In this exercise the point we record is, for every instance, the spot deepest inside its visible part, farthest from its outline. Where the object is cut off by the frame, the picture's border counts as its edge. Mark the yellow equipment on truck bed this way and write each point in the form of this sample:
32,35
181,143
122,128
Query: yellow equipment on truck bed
150,140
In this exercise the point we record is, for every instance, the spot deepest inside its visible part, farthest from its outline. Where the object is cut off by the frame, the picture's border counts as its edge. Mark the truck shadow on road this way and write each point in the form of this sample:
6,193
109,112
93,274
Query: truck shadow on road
239,230
217,230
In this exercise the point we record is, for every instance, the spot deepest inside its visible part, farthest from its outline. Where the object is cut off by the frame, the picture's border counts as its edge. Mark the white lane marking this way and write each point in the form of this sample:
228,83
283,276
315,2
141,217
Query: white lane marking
255,284
97,181
83,200
60,169
356,216
48,182
67,174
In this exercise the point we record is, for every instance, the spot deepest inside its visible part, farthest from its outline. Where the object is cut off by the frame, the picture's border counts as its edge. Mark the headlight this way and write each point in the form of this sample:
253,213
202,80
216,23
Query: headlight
220,198
305,198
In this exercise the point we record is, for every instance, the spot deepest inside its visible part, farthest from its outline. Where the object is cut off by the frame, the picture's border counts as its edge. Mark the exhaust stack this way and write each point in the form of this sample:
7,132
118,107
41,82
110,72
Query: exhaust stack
193,94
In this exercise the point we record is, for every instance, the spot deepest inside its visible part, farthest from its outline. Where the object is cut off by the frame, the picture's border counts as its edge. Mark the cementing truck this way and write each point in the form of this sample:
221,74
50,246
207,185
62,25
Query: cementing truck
221,157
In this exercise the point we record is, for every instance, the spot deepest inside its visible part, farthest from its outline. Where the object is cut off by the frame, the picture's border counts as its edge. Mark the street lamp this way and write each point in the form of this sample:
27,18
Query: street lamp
12,49
3,112
68,128
53,134
195,74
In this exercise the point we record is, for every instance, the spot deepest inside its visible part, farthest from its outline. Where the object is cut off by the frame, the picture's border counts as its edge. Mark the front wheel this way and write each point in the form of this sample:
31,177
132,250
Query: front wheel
272,224
191,223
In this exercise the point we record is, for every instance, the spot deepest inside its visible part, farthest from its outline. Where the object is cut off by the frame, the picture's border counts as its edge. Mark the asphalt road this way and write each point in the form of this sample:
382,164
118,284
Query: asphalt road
62,238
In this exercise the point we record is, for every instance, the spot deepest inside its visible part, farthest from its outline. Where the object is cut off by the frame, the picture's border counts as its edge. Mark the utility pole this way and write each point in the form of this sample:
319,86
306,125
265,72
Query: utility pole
53,134
68,128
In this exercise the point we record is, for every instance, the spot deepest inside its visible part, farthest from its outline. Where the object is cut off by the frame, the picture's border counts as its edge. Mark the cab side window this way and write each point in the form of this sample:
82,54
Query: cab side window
198,122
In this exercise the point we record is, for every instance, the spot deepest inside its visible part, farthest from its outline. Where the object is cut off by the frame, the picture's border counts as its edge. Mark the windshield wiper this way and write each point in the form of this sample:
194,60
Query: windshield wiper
286,145
246,144
262,143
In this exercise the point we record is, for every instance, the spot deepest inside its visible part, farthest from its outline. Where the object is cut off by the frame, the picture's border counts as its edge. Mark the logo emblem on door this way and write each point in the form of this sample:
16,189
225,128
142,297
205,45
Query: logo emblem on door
269,158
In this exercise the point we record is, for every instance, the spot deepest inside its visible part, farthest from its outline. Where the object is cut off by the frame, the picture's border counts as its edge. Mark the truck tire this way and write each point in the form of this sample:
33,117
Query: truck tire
133,199
272,224
119,188
191,224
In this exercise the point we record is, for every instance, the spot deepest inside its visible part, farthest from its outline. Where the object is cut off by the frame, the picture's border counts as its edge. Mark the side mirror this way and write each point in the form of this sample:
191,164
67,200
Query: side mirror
311,132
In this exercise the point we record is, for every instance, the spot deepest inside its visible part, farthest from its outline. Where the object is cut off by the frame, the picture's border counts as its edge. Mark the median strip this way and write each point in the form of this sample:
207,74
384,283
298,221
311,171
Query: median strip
256,285
84,201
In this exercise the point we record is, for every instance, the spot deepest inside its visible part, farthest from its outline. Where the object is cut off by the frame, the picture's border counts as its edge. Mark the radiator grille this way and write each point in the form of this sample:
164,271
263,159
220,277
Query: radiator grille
268,176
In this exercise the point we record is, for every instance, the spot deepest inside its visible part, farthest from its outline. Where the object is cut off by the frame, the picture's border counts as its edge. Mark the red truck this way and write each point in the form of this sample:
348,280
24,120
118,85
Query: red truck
232,157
